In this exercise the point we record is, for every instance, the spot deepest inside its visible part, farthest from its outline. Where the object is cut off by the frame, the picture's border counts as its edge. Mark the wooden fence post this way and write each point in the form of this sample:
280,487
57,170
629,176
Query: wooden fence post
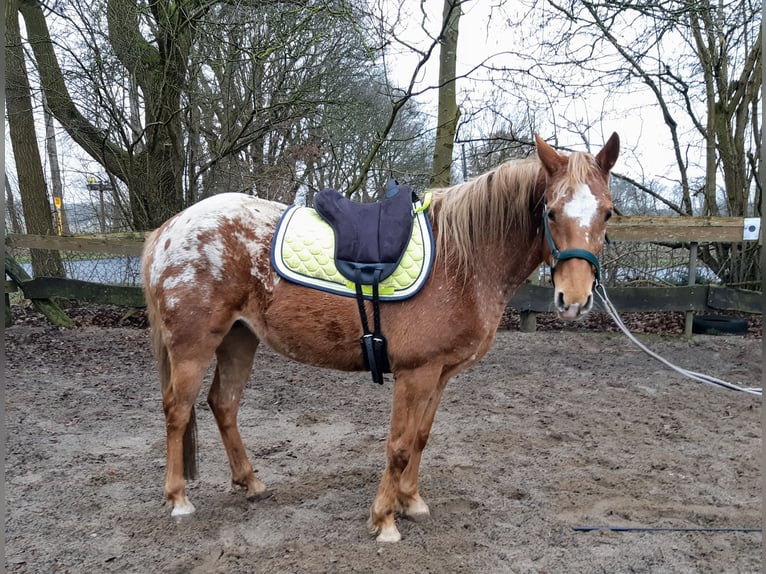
689,317
528,318
528,321
10,287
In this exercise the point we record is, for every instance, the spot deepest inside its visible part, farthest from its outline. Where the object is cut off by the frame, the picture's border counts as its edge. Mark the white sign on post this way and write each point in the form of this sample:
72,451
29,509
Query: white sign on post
752,229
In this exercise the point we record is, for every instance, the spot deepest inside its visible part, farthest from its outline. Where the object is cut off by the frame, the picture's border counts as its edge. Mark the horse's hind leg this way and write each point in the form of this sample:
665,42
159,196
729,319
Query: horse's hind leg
235,361
178,399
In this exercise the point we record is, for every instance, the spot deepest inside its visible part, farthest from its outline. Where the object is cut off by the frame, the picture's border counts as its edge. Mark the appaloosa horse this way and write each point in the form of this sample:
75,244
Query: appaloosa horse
211,292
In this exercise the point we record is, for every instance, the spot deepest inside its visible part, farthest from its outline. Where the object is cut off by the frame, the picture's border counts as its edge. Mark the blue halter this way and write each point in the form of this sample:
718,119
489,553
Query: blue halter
568,253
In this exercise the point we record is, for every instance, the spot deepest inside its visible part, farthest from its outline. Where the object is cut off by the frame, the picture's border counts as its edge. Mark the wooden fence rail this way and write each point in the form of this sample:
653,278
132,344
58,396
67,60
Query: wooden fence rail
111,243
528,298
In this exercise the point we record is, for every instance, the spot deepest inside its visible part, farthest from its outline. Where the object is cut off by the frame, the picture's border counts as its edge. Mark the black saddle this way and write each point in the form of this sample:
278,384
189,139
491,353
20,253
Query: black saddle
370,239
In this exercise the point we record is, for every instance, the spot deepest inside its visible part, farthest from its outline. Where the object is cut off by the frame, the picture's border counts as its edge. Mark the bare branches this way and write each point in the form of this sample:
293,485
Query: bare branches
408,94
92,139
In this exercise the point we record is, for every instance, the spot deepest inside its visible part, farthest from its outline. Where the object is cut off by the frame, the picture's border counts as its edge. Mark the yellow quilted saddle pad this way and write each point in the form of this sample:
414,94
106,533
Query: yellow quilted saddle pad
303,251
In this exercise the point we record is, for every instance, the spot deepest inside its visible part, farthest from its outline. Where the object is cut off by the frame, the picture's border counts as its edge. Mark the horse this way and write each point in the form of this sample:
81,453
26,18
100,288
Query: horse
212,293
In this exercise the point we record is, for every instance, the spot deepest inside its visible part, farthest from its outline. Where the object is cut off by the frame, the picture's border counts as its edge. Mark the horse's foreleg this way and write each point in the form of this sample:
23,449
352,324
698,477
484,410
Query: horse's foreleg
235,361
413,391
177,402
409,499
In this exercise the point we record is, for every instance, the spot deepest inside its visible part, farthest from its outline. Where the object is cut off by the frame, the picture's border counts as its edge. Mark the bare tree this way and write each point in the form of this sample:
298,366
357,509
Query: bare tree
449,113
32,187
725,45
178,101
12,213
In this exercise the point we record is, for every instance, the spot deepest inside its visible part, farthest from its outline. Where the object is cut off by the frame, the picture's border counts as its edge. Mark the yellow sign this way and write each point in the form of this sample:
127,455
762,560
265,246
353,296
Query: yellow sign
59,218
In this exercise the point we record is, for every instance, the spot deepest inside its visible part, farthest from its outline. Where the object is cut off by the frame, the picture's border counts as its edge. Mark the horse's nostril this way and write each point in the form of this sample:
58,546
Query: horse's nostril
588,303
560,301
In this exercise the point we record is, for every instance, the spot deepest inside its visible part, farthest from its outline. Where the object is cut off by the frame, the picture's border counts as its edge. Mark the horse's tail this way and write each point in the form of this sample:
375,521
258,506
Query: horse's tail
163,363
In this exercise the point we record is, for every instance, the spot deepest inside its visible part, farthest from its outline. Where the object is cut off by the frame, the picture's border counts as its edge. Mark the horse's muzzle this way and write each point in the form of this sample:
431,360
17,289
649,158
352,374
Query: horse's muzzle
573,310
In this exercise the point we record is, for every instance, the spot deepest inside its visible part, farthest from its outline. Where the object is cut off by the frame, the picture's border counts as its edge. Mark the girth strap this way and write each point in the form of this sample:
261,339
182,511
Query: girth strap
374,344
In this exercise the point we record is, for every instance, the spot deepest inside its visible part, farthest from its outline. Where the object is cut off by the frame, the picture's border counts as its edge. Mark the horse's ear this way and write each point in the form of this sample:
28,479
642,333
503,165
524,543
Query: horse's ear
552,161
607,157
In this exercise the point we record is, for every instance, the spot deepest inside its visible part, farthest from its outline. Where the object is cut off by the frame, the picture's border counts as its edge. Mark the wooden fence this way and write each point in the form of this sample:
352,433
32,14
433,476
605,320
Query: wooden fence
529,299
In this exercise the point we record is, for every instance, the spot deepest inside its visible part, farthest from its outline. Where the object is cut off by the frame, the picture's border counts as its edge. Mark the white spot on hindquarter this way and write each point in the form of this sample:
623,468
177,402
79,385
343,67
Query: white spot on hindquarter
185,277
179,245
255,249
214,253
582,207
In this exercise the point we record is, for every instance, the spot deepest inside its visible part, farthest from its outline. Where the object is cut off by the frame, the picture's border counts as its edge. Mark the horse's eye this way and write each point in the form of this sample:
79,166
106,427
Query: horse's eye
608,216
551,215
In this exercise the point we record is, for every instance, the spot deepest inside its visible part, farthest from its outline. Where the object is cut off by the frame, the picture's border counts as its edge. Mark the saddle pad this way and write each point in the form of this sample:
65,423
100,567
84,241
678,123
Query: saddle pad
303,252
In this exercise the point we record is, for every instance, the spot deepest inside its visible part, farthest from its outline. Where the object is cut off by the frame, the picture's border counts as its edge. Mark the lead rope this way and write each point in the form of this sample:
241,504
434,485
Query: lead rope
601,292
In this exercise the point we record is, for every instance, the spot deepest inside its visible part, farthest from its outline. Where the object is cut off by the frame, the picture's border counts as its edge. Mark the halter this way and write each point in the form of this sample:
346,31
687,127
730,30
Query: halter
568,253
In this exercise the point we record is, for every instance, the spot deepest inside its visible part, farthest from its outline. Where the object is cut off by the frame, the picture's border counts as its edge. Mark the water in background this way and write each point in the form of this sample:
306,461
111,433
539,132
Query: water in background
111,270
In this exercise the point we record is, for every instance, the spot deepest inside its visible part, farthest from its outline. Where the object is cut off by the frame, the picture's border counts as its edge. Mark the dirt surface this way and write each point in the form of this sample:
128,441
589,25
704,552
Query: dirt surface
552,430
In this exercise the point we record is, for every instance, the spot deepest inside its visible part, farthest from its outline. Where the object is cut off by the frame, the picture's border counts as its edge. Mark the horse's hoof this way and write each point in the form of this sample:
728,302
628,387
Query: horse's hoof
258,495
418,511
419,516
256,490
389,534
182,508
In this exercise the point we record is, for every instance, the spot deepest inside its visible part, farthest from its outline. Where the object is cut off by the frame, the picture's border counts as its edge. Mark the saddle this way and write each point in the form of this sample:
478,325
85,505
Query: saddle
370,251
370,239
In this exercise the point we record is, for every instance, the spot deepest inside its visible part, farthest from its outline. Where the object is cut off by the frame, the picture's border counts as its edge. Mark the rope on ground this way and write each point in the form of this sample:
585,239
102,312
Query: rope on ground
659,529
701,377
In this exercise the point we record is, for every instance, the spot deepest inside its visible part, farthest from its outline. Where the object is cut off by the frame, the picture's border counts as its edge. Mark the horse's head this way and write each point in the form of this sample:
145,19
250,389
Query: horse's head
578,204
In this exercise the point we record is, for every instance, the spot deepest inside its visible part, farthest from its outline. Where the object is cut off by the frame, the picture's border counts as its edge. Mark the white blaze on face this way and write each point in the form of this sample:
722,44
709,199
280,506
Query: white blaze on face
583,206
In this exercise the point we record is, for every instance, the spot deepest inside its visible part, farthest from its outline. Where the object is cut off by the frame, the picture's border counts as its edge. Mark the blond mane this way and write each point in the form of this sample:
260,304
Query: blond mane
483,211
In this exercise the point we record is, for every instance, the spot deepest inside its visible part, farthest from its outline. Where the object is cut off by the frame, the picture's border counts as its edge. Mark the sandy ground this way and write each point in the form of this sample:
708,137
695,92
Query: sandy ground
552,430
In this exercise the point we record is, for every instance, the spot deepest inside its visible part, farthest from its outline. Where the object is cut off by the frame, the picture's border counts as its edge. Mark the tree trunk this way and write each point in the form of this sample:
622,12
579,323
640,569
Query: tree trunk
85,134
154,187
448,111
34,194
10,208
729,107
62,223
